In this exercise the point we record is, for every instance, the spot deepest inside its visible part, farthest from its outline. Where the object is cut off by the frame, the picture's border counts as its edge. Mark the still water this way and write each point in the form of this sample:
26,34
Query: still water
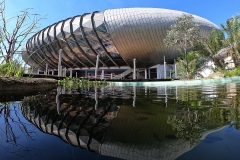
160,121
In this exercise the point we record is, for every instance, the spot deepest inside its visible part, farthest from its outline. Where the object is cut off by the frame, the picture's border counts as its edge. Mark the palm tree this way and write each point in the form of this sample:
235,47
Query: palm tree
232,30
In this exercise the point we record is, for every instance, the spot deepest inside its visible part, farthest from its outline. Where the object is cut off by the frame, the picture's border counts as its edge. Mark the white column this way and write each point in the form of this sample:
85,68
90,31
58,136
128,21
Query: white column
46,70
59,62
134,68
70,72
111,76
170,73
166,96
57,99
86,74
165,72
175,68
137,75
38,71
64,72
52,72
76,75
149,74
134,96
158,71
96,99
176,90
145,73
96,68
102,74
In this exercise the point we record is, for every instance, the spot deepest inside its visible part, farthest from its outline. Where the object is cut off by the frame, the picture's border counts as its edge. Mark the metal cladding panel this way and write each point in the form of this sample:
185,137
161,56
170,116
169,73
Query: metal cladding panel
117,35
139,33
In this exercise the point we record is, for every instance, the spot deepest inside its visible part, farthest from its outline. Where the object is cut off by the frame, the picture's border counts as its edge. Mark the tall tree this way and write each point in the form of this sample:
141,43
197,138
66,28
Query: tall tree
232,30
212,45
15,30
183,34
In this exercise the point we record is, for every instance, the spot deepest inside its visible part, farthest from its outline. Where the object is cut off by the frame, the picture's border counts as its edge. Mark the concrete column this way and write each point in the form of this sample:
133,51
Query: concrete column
176,90
170,73
96,68
149,74
145,73
59,62
96,99
52,72
165,71
57,99
137,75
102,73
38,71
46,71
134,96
76,75
111,76
175,68
158,72
166,96
86,74
64,72
70,72
134,68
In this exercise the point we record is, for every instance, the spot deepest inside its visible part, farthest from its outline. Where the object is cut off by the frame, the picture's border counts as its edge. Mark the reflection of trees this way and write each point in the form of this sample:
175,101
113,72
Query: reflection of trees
204,108
188,126
11,119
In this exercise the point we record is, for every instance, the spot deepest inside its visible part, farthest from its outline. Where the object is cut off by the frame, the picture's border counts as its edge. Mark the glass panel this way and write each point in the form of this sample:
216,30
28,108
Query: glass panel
106,40
83,44
90,35
66,49
45,37
66,28
58,30
55,45
39,36
87,24
75,49
51,33
98,17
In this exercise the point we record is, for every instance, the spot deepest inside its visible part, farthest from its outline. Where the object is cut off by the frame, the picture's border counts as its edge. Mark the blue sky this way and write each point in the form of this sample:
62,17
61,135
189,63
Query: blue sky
216,11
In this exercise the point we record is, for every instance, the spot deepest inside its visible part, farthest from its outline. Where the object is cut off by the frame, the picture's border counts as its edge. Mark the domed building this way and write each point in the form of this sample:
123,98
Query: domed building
114,41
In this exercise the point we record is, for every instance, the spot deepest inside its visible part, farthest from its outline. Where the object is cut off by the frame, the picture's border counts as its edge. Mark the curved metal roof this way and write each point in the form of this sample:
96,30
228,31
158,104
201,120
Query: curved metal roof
116,35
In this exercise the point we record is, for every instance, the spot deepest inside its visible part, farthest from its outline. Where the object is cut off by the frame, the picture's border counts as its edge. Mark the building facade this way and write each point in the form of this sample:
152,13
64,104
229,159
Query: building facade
116,36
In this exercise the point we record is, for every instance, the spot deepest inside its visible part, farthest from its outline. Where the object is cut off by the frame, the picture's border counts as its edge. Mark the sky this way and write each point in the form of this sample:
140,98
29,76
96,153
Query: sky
217,11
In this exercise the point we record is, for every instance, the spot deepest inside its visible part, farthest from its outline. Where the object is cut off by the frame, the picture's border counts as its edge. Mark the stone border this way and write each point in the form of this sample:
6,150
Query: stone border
26,83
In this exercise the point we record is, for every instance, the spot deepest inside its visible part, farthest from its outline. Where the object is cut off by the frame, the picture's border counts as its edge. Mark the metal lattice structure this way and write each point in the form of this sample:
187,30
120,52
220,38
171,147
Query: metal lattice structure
116,35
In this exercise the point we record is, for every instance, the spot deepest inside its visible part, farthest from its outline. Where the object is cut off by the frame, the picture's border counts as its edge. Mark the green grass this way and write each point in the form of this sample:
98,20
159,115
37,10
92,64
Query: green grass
234,72
11,69
72,82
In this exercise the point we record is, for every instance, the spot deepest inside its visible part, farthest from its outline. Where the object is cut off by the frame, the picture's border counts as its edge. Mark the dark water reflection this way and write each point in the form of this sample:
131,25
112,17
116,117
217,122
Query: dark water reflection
114,122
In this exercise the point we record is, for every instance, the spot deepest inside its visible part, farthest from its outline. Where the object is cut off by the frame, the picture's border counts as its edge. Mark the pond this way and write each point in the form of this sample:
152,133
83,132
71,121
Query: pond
167,120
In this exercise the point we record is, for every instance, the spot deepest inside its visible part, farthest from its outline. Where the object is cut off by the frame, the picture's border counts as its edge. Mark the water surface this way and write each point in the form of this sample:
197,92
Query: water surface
134,121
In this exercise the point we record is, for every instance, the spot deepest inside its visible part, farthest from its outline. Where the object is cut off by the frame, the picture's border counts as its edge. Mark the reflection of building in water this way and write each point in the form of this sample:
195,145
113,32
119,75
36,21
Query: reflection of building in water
126,132
78,122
